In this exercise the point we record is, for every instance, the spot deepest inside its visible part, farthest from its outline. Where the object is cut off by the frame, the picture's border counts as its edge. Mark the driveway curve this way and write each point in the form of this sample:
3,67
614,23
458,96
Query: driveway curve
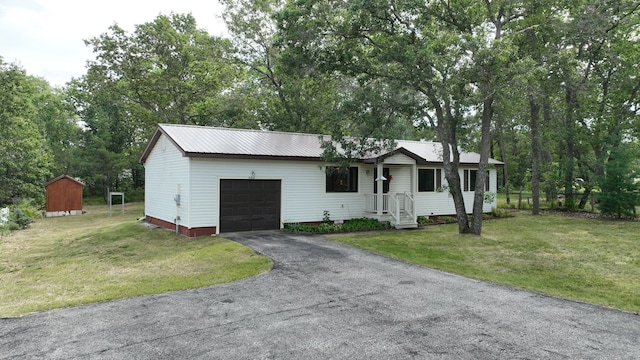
324,300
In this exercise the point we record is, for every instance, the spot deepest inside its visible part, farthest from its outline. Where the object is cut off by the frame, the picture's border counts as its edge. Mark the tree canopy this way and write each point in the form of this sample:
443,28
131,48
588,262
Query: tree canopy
36,135
550,88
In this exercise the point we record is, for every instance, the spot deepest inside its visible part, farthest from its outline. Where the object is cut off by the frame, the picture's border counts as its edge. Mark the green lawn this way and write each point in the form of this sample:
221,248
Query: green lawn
596,261
93,257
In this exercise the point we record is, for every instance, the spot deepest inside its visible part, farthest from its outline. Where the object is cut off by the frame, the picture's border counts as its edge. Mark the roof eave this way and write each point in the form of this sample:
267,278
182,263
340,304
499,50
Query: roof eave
62,177
154,139
401,150
250,156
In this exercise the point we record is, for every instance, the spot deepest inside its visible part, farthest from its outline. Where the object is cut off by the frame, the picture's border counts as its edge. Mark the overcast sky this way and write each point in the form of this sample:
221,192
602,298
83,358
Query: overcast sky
45,37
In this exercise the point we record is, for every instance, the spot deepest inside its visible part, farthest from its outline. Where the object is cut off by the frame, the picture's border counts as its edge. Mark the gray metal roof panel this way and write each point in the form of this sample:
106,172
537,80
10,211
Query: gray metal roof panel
212,141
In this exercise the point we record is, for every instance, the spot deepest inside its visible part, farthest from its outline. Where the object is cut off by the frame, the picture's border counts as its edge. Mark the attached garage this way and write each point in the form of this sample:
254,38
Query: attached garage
247,205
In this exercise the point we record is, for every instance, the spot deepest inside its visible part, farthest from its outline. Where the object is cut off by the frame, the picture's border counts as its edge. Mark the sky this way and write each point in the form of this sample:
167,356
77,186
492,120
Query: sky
45,37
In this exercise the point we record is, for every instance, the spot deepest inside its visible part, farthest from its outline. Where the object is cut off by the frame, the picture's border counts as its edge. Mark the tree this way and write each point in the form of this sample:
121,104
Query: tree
25,163
108,146
619,185
301,96
592,62
447,55
166,71
57,123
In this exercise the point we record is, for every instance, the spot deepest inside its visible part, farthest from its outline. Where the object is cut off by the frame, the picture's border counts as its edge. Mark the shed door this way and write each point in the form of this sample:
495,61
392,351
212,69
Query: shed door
247,205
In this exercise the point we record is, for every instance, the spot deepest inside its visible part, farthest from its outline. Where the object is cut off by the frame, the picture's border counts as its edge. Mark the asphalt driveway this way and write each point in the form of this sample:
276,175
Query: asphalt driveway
325,300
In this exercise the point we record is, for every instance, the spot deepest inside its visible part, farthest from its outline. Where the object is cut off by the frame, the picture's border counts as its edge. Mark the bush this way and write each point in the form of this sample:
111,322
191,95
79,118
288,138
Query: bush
500,213
448,219
11,226
28,208
20,219
4,230
351,225
424,220
363,224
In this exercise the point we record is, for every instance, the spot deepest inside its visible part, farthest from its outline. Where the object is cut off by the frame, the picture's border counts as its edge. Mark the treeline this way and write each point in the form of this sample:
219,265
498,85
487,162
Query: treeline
552,88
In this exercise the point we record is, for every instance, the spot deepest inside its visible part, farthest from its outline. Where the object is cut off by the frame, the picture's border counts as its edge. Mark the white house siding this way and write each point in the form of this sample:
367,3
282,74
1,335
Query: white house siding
304,196
399,159
204,188
468,195
166,170
441,203
401,179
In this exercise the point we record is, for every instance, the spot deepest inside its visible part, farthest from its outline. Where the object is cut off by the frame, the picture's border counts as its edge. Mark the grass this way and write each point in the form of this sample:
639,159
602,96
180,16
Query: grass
595,261
74,260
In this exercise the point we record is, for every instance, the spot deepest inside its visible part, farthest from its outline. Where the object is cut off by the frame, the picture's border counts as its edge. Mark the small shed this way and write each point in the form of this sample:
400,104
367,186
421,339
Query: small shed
64,196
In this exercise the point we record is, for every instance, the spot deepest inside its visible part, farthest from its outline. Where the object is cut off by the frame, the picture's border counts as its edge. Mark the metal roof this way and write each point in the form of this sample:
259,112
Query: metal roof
203,141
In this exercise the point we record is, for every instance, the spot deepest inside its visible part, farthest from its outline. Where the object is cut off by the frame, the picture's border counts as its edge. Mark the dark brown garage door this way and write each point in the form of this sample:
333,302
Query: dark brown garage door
247,205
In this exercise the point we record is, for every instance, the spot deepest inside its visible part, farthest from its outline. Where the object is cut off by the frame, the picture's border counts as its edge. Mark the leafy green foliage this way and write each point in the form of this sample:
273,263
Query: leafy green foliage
501,213
21,215
326,217
363,224
25,163
19,218
350,225
447,219
166,71
620,188
29,208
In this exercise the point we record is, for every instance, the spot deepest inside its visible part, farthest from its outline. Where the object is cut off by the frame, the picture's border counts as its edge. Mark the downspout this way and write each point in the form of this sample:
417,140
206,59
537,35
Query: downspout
177,219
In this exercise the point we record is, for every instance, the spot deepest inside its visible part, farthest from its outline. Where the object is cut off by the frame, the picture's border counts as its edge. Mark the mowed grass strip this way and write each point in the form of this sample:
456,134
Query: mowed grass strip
93,257
596,261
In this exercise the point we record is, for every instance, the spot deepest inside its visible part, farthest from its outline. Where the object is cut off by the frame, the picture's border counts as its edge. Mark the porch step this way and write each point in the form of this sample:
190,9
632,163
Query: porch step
406,222
406,225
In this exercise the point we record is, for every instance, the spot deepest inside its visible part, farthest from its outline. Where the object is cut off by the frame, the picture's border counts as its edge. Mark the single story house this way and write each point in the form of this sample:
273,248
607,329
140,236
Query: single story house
206,180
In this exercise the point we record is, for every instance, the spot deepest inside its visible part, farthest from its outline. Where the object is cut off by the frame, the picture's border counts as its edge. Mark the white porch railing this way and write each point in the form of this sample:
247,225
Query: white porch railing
393,205
371,203
407,203
394,209
401,207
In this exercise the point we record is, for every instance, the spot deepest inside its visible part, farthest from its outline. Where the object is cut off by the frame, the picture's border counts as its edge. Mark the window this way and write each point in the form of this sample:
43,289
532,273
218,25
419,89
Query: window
429,179
469,180
342,179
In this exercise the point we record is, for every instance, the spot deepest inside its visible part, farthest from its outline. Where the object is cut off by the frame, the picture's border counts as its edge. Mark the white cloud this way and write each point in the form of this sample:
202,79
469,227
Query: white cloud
46,36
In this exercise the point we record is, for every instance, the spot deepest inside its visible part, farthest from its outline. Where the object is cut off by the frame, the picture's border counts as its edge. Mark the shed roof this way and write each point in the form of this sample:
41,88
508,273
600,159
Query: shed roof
215,142
62,177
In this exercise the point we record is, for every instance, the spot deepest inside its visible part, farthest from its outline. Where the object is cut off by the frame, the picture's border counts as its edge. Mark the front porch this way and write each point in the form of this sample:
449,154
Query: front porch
399,209
394,185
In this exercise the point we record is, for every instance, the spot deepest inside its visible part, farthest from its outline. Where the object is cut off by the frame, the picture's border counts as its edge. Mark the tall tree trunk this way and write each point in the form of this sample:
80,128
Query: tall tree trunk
534,108
545,157
452,174
485,147
569,138
503,155
446,128
584,199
